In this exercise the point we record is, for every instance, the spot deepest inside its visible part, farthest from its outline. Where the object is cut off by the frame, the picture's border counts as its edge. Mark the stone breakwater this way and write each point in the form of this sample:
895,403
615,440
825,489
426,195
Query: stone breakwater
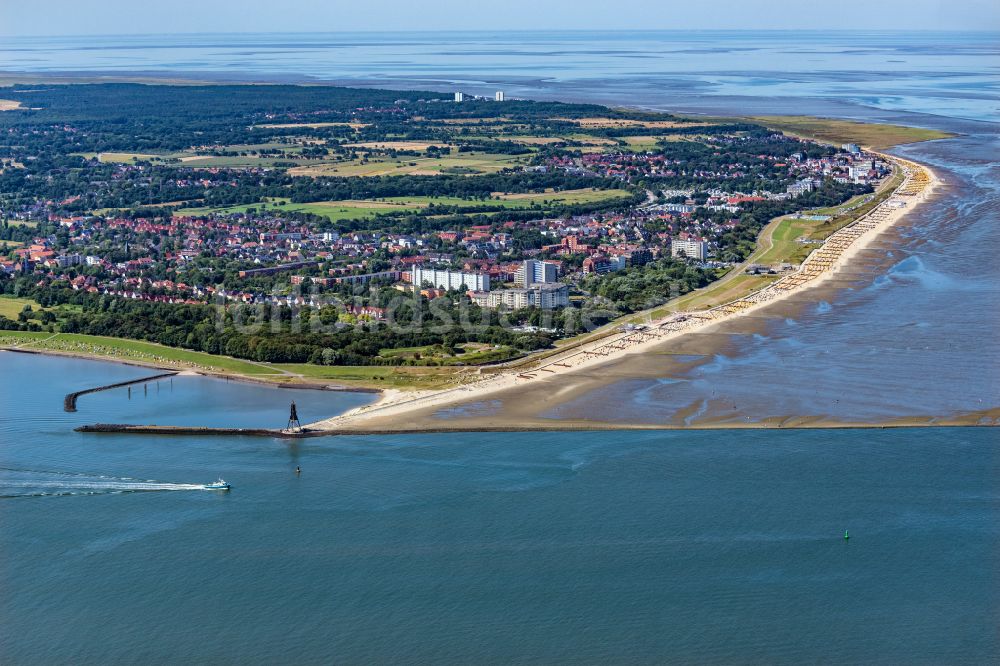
122,428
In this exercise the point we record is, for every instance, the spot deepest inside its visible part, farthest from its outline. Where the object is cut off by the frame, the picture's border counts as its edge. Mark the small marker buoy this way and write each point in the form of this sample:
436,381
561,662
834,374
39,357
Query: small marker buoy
846,535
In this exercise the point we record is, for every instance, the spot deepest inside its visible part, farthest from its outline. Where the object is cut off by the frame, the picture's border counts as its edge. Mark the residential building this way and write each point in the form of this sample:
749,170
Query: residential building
692,248
603,264
449,279
544,296
533,271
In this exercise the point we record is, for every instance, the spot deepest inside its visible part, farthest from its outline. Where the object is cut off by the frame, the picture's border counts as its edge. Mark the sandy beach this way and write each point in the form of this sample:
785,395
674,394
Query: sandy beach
561,373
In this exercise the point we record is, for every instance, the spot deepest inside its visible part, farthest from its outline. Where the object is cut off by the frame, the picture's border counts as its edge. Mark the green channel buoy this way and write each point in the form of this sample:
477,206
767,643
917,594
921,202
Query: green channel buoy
846,535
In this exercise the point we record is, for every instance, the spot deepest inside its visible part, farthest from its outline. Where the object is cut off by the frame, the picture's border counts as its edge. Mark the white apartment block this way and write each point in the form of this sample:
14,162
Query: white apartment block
691,248
533,271
543,296
448,279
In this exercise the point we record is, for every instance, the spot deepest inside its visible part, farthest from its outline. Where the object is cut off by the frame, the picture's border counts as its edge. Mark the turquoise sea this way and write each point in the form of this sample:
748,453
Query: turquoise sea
605,547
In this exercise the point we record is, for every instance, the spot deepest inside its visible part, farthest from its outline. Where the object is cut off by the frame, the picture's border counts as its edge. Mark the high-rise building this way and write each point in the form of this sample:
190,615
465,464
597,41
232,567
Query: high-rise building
459,97
543,296
448,279
533,271
691,248
499,96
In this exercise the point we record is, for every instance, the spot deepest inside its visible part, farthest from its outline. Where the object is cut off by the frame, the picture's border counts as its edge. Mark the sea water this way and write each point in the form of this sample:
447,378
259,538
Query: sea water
951,74
710,547
626,547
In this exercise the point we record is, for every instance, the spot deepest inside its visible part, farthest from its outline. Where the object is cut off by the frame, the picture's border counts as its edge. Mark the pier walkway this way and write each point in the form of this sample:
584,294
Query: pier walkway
69,402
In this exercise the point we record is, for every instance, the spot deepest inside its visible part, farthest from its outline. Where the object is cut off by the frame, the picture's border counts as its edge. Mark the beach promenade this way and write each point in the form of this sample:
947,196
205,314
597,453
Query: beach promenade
392,410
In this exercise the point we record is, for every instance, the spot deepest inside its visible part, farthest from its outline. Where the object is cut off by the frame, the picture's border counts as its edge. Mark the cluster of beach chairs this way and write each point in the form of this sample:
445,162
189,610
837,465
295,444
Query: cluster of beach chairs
918,180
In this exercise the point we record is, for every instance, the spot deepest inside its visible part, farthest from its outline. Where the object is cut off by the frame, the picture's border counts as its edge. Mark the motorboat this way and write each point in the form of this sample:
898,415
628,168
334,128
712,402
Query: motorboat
218,485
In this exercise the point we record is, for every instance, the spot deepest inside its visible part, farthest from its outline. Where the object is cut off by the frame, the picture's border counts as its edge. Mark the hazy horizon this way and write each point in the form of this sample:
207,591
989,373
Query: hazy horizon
519,30
54,18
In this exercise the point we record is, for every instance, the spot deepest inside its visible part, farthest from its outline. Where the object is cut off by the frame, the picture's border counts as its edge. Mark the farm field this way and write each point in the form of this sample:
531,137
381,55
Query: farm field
398,145
370,208
311,125
461,164
202,157
610,123
333,210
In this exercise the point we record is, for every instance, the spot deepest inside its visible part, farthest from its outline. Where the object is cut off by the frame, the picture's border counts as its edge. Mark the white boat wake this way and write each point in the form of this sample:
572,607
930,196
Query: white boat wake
32,483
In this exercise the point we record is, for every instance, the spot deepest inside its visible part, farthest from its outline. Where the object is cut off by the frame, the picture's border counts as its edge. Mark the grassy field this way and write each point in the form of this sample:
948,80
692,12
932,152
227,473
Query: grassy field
641,143
369,208
785,245
201,157
10,307
311,125
460,164
333,210
565,197
239,161
403,377
838,210
468,354
605,123
399,145
717,293
873,135
123,158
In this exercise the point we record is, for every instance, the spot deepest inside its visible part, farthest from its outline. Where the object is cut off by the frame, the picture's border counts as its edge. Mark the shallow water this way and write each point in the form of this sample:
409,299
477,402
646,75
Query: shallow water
584,547
951,74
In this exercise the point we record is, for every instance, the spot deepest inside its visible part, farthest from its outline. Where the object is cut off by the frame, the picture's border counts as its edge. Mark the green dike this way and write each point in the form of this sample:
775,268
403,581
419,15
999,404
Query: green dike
120,349
117,349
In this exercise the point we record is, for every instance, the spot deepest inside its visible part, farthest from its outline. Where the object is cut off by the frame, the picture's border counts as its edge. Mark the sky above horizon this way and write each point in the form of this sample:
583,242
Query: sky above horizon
111,17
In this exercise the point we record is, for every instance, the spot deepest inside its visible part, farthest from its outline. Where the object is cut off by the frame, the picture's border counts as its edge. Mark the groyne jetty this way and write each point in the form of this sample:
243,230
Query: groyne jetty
127,429
69,402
